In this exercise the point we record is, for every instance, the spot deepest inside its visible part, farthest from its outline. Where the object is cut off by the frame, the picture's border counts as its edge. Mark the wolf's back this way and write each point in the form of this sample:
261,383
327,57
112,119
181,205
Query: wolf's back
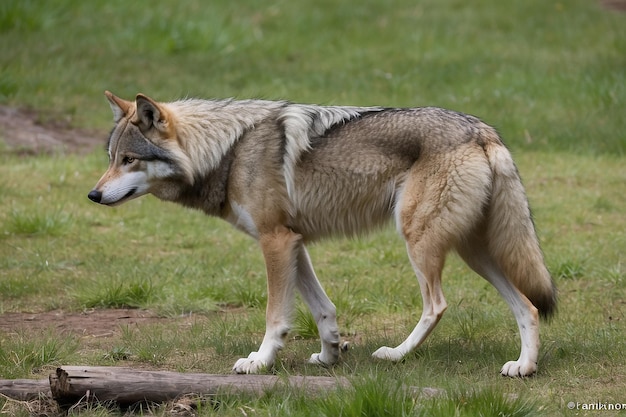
512,238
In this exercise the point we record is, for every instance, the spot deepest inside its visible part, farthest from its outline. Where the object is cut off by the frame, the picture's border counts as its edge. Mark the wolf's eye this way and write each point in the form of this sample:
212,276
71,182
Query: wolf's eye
128,160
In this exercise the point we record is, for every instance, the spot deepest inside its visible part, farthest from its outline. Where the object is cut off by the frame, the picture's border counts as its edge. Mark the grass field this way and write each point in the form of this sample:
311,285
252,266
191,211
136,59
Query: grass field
550,75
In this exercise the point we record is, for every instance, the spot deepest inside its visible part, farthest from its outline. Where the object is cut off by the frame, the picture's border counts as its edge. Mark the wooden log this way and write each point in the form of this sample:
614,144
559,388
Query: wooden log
25,389
71,384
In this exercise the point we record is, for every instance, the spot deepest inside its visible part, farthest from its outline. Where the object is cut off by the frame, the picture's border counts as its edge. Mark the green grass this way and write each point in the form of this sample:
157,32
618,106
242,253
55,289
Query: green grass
26,223
24,353
150,254
550,75
508,63
378,395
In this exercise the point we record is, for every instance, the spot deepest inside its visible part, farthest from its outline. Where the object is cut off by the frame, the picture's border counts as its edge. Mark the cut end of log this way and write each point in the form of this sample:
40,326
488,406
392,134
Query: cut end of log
59,384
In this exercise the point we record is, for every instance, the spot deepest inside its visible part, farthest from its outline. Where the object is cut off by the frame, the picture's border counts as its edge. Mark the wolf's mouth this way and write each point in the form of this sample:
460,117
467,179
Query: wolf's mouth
129,193
126,196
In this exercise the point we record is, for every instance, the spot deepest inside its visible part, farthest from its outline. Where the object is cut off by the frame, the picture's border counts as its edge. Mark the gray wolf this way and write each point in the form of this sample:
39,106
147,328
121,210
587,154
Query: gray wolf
288,174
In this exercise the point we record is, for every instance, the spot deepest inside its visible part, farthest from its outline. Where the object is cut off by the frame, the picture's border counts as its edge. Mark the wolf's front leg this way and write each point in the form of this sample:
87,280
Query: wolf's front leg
321,307
280,251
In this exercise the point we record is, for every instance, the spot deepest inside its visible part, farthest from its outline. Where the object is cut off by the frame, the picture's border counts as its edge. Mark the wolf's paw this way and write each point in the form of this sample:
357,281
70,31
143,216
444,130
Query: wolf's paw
388,354
253,364
318,359
519,369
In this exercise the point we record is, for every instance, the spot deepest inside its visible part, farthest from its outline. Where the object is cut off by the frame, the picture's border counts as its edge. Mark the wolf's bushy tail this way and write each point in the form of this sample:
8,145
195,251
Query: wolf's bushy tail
512,239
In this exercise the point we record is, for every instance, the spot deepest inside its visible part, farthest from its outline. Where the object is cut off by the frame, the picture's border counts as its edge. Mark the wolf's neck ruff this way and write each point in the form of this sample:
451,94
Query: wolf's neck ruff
223,122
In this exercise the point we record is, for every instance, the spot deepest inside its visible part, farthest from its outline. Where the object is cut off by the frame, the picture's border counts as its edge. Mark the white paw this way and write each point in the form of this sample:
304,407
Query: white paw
388,354
253,364
317,359
517,369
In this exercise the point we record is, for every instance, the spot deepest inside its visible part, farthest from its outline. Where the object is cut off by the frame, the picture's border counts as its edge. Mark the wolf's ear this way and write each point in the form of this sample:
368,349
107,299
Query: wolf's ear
149,114
119,106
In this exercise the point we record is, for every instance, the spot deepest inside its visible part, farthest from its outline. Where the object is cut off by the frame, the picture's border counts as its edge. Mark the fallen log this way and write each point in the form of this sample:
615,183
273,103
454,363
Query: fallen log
25,389
125,386
70,385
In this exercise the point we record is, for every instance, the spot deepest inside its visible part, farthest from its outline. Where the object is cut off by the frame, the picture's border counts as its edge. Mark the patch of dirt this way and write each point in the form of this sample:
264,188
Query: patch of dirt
617,5
93,323
27,132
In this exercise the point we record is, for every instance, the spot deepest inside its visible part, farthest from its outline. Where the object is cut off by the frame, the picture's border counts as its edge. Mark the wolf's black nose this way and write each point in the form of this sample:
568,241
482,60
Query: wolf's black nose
95,196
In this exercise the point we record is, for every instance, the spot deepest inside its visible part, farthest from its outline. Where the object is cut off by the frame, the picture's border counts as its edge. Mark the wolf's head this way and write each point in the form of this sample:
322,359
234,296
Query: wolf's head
143,151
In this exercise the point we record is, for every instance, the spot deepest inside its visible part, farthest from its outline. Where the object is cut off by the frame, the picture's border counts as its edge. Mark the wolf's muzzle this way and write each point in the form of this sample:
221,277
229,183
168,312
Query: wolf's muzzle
96,197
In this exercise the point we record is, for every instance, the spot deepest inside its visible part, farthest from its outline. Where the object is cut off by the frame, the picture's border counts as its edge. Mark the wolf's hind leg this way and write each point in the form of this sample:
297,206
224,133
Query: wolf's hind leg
280,249
476,256
442,200
428,271
321,307
419,219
